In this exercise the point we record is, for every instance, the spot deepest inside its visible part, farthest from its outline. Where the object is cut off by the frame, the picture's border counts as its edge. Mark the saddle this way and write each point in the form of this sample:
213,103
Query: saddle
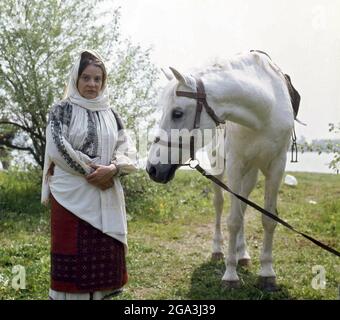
294,94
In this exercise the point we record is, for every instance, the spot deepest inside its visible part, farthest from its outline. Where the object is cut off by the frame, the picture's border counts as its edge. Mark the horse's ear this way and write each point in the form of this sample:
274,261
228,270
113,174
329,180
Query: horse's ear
177,75
187,80
167,74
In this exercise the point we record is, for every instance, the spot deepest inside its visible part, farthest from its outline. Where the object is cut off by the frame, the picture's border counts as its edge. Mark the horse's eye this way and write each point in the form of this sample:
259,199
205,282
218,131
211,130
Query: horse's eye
176,114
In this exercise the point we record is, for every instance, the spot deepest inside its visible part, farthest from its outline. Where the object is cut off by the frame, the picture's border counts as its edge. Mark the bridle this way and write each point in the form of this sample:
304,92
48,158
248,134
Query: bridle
201,98
201,102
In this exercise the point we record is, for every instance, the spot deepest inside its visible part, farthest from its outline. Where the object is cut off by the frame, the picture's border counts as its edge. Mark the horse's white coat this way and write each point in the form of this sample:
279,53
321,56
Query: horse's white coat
249,92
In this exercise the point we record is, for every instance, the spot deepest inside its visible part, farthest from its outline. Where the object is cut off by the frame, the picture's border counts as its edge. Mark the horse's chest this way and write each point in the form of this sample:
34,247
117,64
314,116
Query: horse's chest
254,147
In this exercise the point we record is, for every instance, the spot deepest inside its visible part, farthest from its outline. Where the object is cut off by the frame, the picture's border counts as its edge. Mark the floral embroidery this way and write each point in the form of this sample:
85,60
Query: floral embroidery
90,146
59,119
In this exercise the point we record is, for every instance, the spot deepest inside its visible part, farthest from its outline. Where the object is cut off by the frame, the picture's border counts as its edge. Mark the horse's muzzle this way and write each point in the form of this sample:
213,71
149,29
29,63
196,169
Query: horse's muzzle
161,173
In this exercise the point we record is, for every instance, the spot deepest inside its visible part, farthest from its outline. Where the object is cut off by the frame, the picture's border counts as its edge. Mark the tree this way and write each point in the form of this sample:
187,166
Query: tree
335,148
38,42
5,155
323,145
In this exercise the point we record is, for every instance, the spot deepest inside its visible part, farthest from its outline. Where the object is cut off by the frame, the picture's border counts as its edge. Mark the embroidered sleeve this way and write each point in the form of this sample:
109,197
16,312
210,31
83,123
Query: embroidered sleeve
90,146
59,149
125,155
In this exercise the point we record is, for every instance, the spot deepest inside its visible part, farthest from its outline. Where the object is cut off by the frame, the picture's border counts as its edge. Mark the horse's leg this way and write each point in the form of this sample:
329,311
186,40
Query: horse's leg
234,223
218,237
273,178
248,184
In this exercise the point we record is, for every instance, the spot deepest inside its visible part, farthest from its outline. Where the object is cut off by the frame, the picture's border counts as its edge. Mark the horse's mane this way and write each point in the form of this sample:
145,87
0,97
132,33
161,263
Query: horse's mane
240,61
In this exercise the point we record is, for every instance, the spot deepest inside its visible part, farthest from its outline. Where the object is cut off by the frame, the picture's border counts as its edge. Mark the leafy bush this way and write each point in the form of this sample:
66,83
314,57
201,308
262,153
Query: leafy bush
144,198
335,148
20,191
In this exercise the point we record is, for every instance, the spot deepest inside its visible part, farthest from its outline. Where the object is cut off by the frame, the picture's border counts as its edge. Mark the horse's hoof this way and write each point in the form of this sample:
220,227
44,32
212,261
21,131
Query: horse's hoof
215,256
244,262
231,284
267,284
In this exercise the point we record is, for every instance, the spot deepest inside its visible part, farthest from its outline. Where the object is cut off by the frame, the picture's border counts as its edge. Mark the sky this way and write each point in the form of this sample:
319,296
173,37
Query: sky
302,37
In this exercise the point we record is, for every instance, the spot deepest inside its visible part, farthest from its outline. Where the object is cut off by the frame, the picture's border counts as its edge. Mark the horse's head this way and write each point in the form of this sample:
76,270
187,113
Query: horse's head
177,125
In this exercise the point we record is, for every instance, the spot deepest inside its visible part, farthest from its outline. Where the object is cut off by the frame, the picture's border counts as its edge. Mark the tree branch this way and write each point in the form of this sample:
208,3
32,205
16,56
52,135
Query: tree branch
12,146
14,124
26,129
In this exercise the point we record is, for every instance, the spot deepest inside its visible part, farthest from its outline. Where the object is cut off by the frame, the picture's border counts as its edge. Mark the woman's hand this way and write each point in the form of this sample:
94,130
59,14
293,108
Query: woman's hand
102,176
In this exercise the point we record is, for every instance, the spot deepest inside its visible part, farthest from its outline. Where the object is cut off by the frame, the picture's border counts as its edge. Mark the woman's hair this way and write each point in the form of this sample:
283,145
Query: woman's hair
88,59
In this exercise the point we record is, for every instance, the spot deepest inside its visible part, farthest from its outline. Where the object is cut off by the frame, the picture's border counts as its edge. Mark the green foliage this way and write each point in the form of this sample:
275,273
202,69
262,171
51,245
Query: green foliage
5,157
39,40
143,197
20,192
335,148
132,80
148,200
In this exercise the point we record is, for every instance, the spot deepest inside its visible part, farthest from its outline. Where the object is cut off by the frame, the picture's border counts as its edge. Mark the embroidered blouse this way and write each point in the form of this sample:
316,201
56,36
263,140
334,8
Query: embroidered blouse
75,138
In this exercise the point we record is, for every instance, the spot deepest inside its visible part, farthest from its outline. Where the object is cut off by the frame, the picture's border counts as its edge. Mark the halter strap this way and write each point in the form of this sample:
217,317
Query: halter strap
201,98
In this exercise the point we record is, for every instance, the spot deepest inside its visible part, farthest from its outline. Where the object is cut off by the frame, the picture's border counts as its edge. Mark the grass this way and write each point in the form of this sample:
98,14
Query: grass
170,237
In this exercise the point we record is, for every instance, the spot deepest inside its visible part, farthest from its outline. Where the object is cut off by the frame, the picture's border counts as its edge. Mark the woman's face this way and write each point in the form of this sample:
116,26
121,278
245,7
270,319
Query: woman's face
90,82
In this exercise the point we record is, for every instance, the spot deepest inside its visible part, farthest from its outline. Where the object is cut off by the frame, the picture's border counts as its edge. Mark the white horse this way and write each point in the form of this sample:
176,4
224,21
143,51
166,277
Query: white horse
250,93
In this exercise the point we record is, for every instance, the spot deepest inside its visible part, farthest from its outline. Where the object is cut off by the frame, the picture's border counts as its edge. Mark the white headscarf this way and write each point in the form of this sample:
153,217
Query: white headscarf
99,103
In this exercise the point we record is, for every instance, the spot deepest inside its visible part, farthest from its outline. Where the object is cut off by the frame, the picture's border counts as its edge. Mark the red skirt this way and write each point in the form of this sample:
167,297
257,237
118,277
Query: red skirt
83,259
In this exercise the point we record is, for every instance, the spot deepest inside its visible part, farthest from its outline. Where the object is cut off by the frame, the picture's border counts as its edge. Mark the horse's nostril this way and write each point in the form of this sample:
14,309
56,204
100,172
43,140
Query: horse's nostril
151,171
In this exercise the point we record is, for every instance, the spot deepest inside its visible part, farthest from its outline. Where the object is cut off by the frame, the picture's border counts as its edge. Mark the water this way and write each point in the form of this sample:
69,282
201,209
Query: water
311,162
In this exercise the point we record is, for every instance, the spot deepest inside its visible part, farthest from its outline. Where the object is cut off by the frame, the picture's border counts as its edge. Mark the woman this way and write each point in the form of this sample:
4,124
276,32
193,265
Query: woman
86,152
